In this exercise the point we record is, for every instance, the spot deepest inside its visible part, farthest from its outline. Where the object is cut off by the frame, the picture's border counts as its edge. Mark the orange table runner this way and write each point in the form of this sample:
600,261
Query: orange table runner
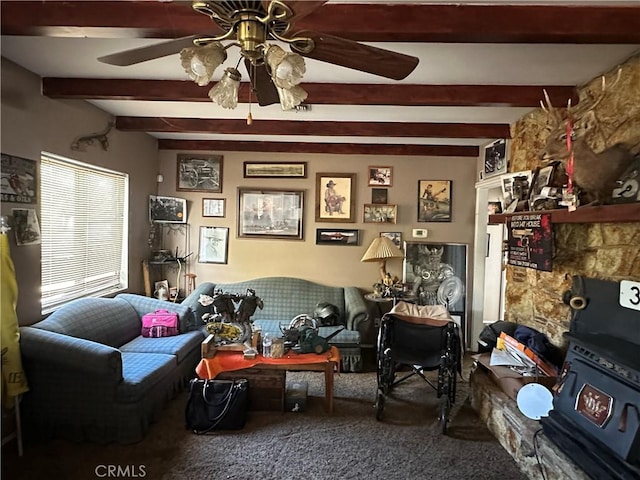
209,368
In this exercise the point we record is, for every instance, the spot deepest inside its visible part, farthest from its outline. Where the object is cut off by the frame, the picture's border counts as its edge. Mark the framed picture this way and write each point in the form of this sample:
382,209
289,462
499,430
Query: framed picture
214,245
380,176
494,207
437,274
379,196
213,207
167,209
495,158
270,213
275,170
26,226
335,197
199,173
515,187
337,236
396,238
19,180
434,200
380,213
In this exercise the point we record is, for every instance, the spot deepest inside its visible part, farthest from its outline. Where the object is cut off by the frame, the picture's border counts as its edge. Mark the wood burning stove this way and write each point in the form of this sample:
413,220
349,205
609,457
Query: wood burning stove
596,408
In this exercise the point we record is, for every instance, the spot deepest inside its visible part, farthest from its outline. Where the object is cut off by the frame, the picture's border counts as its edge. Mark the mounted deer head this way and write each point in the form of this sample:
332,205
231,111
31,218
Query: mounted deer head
595,174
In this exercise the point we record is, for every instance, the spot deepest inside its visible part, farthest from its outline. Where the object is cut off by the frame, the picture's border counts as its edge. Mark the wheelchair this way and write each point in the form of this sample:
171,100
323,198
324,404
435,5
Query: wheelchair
423,338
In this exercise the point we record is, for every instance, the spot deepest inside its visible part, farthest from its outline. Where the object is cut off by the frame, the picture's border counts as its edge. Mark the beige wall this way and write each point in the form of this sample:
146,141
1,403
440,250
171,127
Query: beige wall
333,265
32,123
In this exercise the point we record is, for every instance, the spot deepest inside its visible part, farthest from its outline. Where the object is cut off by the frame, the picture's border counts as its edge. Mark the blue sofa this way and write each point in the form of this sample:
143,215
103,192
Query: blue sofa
285,297
93,378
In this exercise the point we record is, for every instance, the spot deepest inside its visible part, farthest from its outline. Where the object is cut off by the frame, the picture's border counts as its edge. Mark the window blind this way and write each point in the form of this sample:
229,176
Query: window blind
84,230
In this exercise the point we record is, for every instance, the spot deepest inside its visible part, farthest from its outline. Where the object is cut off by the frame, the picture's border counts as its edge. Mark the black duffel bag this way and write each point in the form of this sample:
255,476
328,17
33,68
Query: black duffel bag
489,335
217,405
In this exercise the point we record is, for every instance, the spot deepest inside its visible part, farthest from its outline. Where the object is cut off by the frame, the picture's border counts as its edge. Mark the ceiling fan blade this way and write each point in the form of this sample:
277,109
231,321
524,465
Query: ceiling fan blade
262,85
151,52
358,56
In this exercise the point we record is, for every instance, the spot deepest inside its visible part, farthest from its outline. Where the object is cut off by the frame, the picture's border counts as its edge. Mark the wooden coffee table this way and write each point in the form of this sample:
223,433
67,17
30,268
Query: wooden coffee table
327,362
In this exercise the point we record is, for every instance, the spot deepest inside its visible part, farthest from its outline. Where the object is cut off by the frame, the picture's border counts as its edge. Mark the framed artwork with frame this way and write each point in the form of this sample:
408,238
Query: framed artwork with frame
214,245
213,207
379,196
495,158
335,197
438,274
434,200
374,213
199,173
275,170
336,236
396,238
380,176
270,213
167,209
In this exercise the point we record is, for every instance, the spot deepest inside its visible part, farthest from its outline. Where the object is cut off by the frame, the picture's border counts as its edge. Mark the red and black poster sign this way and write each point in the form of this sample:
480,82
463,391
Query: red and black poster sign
531,241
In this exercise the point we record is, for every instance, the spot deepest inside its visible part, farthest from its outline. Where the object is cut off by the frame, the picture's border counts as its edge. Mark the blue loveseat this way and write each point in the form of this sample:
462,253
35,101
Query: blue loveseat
93,378
285,297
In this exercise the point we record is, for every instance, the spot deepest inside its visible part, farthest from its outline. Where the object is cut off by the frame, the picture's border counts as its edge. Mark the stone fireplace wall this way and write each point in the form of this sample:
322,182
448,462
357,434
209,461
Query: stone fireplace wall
607,251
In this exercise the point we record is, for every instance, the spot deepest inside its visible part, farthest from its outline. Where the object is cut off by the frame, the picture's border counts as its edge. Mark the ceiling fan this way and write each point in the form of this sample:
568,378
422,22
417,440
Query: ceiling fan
275,74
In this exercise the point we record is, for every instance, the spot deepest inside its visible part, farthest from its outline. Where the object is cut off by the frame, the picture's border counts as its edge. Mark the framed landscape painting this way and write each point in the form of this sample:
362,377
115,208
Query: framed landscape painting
275,170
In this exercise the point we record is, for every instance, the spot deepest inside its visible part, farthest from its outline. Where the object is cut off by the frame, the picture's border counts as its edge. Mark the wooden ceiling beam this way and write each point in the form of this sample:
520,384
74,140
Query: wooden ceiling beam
317,128
361,22
319,93
332,148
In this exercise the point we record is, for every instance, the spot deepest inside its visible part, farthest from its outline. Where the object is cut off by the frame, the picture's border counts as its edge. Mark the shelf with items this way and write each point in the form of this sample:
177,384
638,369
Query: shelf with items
619,213
168,263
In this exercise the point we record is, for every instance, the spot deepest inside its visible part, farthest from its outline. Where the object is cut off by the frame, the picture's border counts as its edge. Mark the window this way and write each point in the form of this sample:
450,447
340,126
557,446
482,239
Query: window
84,212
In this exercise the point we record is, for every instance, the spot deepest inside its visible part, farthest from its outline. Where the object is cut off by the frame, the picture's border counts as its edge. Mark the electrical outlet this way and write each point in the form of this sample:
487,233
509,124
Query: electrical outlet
420,232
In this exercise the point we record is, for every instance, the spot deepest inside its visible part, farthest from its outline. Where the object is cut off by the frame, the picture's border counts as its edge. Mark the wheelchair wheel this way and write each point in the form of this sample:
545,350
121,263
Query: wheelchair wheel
445,409
379,405
385,372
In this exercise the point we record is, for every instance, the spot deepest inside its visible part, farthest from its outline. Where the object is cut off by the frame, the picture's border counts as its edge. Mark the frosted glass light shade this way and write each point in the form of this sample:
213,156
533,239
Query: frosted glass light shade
201,62
287,69
291,97
225,92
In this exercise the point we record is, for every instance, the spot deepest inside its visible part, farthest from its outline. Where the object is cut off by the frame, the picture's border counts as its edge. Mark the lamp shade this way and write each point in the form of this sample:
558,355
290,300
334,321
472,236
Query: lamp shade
200,62
225,92
381,249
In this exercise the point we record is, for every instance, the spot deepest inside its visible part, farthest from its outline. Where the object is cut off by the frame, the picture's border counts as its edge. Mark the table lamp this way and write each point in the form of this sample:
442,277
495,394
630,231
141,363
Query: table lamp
381,249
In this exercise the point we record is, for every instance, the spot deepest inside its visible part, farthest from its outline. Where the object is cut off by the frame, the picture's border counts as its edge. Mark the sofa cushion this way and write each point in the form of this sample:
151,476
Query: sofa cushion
140,372
110,321
285,297
178,345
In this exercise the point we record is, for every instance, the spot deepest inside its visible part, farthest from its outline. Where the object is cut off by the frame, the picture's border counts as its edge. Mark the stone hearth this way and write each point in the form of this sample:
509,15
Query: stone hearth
516,432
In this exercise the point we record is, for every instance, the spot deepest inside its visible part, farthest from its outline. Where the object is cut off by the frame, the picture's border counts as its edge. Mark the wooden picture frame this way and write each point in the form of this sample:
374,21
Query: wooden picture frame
275,170
213,207
337,236
213,245
167,209
270,213
434,200
380,176
199,173
374,213
336,197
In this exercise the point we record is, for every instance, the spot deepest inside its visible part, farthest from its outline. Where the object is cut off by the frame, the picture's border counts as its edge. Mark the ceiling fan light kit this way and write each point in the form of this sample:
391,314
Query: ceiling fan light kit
248,24
225,92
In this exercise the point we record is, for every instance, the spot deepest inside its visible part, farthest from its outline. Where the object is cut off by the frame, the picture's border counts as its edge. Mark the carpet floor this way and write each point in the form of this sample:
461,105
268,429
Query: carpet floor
350,444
